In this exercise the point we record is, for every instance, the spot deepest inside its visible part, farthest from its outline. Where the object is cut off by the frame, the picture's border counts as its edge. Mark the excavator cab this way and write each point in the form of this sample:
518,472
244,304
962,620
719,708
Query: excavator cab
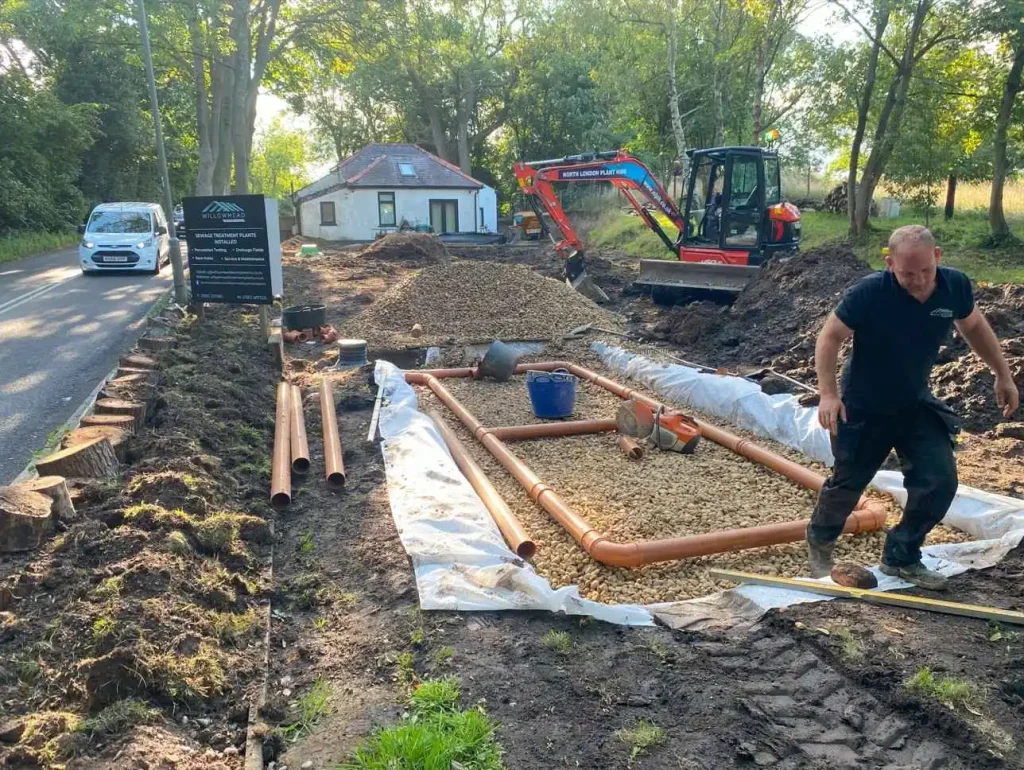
734,221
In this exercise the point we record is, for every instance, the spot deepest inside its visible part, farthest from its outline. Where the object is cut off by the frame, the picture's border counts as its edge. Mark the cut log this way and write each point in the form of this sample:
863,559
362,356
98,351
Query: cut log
136,409
56,489
138,361
123,421
156,344
92,460
26,519
118,438
129,379
141,392
150,375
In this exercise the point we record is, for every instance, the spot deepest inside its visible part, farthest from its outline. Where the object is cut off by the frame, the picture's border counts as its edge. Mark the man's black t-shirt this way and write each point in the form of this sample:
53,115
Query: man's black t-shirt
896,338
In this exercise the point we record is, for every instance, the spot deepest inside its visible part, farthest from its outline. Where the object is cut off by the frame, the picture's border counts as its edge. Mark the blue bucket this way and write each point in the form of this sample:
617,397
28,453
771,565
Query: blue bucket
552,394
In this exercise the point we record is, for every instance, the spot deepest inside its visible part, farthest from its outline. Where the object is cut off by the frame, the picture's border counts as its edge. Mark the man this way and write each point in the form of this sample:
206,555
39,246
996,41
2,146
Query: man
898,318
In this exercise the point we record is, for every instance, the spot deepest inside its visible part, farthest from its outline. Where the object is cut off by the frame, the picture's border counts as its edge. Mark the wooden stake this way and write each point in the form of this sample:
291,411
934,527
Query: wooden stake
874,597
93,460
56,489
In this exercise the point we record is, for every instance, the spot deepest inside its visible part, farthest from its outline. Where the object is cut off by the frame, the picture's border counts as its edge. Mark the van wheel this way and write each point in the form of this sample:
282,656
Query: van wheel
156,270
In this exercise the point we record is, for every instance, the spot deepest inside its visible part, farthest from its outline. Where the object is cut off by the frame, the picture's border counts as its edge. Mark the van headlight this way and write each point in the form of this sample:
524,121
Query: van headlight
144,244
88,244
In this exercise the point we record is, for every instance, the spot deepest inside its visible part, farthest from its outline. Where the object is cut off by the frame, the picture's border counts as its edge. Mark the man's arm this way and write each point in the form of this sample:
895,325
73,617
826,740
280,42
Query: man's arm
826,355
979,335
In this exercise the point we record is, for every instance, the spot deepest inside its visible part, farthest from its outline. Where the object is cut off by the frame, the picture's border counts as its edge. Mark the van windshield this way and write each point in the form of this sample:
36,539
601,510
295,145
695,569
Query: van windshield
119,222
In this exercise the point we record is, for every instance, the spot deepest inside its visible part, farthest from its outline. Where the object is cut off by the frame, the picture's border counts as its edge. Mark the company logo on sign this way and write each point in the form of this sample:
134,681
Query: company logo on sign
224,211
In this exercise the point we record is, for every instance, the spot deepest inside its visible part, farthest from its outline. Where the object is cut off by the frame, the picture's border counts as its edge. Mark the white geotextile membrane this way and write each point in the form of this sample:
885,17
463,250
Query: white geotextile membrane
461,561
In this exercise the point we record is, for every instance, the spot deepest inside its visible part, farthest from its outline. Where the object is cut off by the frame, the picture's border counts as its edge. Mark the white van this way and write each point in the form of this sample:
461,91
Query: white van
125,236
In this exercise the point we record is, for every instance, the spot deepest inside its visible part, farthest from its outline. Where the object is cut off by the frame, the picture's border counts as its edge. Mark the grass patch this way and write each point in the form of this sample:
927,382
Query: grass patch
443,656
118,717
109,588
306,543
850,647
418,638
178,544
645,736
102,628
950,692
320,624
218,533
189,679
434,733
14,247
311,708
630,235
233,626
557,641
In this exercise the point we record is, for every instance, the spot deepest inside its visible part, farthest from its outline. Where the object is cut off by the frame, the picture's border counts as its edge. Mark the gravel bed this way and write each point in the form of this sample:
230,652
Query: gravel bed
472,302
664,495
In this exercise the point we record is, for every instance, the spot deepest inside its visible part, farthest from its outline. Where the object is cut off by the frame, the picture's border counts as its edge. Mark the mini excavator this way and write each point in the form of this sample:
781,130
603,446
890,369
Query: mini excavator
734,218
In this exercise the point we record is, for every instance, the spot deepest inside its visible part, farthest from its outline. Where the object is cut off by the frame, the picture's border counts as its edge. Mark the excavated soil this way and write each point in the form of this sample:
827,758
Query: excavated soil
409,248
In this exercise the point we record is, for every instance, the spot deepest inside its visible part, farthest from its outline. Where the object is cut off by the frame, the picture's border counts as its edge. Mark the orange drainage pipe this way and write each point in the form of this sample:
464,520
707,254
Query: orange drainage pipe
630,447
334,465
511,528
554,429
300,445
280,469
868,517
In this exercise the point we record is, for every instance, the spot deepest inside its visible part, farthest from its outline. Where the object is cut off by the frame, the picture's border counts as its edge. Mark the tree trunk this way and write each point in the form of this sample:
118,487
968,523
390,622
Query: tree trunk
119,406
92,460
123,421
117,437
673,87
56,488
239,124
950,196
996,215
881,22
26,519
889,120
204,129
759,78
463,114
437,132
716,77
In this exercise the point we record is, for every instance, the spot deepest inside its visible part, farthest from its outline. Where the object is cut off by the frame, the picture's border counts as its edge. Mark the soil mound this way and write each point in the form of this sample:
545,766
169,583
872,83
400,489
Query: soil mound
778,312
419,248
478,302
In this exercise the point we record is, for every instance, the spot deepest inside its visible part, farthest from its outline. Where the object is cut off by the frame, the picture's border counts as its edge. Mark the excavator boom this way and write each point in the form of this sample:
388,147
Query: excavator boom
734,217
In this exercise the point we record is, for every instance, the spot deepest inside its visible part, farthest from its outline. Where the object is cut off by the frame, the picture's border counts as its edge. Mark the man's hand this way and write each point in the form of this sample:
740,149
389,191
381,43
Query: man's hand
1007,395
830,411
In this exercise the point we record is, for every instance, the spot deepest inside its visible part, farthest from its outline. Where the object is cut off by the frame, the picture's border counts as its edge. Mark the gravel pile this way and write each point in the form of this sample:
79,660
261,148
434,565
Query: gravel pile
664,495
465,302
418,248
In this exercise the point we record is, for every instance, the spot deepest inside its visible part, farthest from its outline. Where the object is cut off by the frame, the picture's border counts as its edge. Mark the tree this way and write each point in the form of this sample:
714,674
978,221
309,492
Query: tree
1005,18
279,161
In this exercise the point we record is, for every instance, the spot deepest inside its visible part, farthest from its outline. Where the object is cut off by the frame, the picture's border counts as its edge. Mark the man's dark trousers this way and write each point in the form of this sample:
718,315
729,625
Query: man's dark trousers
923,445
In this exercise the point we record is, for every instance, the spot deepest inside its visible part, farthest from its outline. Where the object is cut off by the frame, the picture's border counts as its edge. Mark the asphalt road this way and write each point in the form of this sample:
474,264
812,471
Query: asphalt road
60,334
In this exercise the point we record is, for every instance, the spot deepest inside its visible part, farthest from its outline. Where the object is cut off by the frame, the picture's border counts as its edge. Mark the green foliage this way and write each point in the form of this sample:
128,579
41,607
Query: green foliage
311,708
306,543
218,533
279,162
952,693
644,736
434,735
102,628
558,641
443,656
14,247
118,717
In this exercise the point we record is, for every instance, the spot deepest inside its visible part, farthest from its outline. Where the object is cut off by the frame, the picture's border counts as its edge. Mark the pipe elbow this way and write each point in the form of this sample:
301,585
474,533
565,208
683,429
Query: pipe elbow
869,516
613,554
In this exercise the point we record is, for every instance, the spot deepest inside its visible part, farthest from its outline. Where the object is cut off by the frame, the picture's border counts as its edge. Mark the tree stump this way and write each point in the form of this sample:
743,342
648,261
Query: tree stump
26,519
143,393
127,380
149,375
136,409
123,421
94,459
156,344
138,361
56,489
118,438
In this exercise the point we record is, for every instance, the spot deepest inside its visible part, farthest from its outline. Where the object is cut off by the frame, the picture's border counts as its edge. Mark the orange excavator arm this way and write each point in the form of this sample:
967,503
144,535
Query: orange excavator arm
630,176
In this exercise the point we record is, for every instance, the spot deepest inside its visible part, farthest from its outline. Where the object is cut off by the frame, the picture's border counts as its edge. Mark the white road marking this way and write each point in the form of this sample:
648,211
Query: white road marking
11,304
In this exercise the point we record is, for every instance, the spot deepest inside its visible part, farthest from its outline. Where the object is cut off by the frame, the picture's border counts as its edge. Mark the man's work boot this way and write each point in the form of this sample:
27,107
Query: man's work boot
819,558
918,574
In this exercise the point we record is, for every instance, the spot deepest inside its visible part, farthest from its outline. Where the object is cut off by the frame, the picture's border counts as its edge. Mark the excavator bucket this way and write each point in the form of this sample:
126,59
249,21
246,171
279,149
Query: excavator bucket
709,276
585,285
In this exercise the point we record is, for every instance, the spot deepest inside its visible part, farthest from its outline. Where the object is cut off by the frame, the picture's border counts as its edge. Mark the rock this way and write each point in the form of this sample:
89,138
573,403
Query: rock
230,751
1010,430
306,765
11,732
204,721
853,576
764,758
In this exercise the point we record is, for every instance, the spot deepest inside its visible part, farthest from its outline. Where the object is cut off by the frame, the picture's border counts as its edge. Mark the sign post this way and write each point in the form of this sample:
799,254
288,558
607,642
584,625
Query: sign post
234,249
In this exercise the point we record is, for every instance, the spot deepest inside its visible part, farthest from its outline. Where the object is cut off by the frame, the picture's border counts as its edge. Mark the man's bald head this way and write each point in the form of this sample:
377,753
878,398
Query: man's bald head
914,259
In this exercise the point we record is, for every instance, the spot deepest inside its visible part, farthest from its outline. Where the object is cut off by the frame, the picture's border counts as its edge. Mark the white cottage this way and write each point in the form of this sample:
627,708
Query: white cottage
384,186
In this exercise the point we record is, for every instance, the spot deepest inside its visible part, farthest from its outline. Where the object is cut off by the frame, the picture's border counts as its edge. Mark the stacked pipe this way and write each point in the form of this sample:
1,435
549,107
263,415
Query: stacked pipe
280,470
334,465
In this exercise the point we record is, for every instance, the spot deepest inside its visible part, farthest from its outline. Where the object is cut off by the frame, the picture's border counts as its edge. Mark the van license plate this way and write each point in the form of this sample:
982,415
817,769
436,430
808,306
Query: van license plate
115,259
